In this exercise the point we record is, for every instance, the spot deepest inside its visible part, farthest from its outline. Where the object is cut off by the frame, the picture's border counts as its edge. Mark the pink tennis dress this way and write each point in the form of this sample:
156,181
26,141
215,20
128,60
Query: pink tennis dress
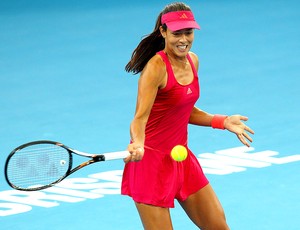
157,179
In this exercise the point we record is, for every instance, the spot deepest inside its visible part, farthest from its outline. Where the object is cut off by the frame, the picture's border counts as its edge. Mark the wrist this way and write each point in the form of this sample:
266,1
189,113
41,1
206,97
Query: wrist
217,121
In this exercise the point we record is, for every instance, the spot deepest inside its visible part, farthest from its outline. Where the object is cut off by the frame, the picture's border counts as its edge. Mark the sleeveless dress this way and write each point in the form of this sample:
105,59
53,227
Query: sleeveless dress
157,179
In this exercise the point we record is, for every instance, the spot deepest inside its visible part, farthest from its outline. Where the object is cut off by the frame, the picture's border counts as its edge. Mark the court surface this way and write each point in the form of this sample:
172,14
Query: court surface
62,78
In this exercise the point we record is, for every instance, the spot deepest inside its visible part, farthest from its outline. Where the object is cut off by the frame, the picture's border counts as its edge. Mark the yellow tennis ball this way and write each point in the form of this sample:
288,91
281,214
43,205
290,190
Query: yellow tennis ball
179,153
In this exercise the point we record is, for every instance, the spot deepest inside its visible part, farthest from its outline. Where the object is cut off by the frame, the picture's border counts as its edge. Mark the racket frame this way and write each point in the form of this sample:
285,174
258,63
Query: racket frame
94,158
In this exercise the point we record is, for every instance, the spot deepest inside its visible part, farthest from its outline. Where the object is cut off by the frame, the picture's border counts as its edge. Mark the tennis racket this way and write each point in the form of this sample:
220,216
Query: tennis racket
41,164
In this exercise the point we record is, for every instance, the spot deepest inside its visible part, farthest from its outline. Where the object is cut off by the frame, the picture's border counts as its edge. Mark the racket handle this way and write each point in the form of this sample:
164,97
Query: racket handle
116,155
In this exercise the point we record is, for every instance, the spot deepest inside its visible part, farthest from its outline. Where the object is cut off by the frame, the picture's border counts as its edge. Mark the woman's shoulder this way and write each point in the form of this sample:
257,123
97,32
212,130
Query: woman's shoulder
193,56
156,64
157,60
195,59
155,70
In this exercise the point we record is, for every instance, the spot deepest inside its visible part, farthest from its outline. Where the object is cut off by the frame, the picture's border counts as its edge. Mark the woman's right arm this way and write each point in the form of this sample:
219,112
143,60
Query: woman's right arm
152,78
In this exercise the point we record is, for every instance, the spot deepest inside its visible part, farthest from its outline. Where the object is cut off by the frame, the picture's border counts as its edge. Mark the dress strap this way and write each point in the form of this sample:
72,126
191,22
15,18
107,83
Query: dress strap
192,65
171,77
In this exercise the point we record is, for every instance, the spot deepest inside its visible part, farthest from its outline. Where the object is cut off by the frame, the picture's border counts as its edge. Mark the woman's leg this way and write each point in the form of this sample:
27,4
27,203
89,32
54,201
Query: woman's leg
154,218
205,210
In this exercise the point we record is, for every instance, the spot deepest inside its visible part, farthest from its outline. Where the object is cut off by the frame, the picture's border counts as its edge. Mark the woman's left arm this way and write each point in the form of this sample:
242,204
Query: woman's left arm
233,123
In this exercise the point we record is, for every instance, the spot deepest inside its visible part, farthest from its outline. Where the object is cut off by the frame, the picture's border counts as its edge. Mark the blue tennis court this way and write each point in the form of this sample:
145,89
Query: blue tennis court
62,78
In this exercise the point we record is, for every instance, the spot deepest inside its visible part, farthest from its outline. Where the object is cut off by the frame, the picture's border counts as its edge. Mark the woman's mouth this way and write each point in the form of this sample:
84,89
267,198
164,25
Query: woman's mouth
182,48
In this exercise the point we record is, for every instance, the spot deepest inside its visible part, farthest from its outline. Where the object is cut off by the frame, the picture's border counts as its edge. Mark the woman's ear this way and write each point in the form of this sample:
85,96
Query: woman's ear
162,32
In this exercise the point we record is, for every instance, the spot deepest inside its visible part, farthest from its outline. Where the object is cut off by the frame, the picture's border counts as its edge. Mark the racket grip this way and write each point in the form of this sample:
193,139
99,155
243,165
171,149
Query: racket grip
116,155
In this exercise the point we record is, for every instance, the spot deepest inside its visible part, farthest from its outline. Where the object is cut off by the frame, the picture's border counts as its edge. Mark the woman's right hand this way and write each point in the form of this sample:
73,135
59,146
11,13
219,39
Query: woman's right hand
136,153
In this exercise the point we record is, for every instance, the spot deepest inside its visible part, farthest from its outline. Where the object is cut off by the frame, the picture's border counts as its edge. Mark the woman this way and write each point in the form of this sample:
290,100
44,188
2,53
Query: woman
167,92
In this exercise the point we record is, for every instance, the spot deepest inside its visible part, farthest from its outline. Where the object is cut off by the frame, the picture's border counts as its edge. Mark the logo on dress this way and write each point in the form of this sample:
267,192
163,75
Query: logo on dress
189,91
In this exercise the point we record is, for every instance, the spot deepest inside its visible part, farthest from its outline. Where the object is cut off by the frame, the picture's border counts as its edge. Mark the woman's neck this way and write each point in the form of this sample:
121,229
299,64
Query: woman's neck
175,59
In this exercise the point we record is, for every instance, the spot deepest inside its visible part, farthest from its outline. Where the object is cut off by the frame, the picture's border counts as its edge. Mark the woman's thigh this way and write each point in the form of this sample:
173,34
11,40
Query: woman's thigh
205,210
154,217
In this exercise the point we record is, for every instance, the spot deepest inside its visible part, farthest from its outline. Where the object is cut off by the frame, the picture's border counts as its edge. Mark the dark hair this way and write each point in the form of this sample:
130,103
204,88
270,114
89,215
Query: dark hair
153,42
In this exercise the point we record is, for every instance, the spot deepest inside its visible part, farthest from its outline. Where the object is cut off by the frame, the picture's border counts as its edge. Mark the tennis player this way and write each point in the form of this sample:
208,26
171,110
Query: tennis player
168,89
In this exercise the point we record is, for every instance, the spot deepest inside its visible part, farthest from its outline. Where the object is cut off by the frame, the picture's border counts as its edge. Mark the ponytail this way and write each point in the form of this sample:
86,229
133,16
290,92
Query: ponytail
146,49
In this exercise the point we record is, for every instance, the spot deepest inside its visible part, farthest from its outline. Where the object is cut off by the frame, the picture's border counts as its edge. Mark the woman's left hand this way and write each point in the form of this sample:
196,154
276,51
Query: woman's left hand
236,125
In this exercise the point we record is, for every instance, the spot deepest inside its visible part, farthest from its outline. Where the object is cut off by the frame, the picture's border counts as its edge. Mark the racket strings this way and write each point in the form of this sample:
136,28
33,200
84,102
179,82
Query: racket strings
38,165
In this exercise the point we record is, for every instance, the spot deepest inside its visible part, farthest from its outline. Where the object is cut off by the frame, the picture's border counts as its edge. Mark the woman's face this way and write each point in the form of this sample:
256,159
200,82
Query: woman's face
178,42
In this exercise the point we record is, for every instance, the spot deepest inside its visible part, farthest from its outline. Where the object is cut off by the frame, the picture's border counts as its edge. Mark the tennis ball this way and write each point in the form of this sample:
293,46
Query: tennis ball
179,153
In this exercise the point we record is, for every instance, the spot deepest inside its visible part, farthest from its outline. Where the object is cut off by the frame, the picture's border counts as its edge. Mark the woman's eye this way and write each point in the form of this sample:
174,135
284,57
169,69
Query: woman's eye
186,33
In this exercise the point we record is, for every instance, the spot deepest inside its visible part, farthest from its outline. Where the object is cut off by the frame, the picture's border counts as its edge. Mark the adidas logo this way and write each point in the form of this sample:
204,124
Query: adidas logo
189,91
183,16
